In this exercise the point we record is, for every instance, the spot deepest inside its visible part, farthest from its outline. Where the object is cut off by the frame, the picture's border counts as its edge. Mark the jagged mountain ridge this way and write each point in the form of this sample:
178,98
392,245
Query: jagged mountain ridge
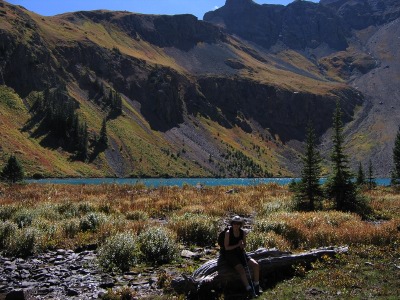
194,94
354,41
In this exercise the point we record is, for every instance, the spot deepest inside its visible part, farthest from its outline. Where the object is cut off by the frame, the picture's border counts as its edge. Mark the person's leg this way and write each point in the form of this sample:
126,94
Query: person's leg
256,275
240,269
256,269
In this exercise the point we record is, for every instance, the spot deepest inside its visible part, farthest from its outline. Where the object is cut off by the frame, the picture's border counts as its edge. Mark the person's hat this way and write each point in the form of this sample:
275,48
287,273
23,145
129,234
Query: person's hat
237,219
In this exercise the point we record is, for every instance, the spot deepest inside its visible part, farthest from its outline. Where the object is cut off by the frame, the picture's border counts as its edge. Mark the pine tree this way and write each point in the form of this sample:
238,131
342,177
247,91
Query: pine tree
82,142
360,176
396,160
340,188
309,189
103,138
12,171
371,178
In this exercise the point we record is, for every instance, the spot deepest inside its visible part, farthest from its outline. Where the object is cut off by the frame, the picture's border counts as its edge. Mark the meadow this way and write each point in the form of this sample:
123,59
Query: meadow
134,224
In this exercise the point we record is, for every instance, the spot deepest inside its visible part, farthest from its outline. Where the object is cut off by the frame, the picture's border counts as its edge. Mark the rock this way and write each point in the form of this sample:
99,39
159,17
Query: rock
299,25
17,295
72,292
190,255
107,282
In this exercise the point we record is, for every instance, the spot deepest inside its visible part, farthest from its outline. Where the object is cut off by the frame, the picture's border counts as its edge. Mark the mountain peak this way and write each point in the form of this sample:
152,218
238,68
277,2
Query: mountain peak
239,3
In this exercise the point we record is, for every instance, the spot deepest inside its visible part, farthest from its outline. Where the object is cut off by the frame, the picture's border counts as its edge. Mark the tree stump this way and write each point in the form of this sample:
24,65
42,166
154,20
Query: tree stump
275,265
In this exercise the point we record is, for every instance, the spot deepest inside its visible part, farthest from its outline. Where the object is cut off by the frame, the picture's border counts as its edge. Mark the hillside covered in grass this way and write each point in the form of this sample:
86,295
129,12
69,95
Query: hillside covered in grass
182,97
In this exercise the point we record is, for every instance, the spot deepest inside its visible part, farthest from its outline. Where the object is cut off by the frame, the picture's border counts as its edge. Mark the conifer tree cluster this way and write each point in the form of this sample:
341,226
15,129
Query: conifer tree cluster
340,187
106,97
114,101
58,113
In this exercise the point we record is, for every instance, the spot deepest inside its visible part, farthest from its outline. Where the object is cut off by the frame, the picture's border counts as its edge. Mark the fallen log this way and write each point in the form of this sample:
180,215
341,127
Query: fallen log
275,265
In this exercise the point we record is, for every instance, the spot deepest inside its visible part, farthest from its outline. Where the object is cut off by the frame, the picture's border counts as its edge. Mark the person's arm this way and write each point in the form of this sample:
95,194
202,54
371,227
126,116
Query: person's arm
244,239
231,247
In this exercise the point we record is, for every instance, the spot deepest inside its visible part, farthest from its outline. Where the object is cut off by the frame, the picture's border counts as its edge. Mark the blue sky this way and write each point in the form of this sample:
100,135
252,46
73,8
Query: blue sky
167,7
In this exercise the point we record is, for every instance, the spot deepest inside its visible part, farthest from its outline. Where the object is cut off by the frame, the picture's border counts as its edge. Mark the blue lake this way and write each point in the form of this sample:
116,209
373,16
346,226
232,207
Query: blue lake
156,182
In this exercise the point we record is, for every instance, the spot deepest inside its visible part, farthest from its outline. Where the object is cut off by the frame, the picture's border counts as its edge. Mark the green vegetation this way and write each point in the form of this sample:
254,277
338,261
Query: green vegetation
340,186
240,165
396,160
366,272
124,221
308,189
103,139
157,245
118,252
360,175
12,171
56,110
371,178
195,229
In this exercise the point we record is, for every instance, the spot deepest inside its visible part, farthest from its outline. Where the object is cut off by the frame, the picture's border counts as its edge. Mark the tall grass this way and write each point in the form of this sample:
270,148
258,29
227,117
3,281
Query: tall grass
196,229
60,216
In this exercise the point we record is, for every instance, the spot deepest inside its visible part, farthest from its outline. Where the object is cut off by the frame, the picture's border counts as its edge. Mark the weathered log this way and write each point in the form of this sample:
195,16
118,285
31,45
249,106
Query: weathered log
274,265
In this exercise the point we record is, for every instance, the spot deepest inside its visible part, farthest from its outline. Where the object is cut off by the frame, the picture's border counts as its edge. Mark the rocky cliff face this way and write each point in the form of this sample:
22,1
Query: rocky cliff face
350,40
283,112
191,92
359,14
298,25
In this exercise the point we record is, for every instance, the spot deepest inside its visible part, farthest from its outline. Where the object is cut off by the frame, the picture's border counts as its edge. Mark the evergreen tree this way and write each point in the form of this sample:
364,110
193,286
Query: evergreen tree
396,160
309,189
340,188
360,176
12,171
103,139
371,178
83,142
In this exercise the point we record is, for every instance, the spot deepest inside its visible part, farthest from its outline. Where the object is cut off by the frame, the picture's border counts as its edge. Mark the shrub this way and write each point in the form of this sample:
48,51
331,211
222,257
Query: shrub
23,218
70,227
68,210
270,225
196,229
257,239
47,211
124,293
157,245
276,205
281,227
6,212
105,207
24,242
137,215
118,252
91,222
49,233
7,231
85,208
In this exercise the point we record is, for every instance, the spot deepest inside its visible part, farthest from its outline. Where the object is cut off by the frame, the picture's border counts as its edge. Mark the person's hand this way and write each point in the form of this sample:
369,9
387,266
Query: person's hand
241,244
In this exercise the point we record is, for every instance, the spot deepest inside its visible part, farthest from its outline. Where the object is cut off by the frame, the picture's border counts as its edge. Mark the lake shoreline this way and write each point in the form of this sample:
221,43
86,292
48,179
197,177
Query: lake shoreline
197,181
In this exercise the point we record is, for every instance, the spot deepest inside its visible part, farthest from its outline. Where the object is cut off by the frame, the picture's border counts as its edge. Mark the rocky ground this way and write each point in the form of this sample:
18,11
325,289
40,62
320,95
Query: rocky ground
67,274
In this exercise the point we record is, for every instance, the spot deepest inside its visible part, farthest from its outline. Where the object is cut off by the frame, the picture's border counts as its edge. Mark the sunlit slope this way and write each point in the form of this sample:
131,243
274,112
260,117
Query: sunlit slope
14,139
195,101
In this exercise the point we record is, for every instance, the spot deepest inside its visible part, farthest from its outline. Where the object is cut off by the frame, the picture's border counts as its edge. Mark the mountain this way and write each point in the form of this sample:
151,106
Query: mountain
227,96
